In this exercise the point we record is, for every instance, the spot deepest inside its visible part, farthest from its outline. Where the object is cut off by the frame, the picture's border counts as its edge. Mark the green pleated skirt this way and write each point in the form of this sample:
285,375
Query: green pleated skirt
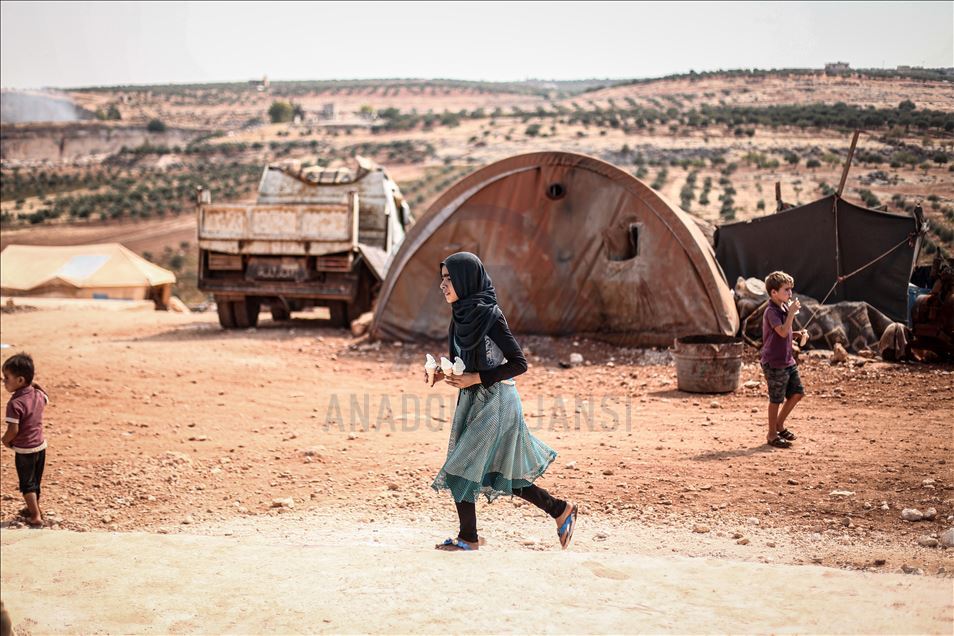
491,451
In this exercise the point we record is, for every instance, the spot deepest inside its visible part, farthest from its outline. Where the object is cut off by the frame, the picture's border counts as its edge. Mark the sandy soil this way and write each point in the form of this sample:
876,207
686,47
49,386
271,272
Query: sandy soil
339,578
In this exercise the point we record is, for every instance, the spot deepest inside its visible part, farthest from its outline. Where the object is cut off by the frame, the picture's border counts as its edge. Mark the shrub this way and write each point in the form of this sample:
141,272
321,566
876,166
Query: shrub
280,111
156,126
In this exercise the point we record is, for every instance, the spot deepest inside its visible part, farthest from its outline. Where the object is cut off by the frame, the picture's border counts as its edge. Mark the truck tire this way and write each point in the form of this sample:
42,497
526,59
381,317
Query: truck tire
280,311
339,313
226,313
246,312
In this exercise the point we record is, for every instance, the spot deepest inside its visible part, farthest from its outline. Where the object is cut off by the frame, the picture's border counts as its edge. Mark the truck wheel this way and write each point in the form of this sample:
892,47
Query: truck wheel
226,313
339,313
246,312
280,311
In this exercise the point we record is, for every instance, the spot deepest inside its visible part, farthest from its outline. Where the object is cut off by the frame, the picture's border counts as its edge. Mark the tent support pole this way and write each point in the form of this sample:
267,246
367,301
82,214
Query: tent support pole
851,153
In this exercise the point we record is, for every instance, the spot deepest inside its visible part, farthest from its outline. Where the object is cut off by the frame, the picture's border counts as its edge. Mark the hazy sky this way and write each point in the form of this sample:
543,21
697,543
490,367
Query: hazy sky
91,43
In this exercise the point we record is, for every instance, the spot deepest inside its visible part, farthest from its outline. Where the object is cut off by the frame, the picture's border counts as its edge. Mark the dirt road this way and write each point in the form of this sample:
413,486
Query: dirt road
328,580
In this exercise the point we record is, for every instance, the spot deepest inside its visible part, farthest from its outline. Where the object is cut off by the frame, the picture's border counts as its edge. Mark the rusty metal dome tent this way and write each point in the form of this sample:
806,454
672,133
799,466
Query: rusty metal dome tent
575,246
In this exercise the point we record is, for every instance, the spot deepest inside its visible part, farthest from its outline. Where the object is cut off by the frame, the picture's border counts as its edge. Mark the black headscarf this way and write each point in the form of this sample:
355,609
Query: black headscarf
475,310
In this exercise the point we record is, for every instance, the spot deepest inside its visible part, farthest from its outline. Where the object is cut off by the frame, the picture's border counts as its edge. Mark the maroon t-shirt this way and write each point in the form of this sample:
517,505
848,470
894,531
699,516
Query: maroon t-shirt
25,408
776,350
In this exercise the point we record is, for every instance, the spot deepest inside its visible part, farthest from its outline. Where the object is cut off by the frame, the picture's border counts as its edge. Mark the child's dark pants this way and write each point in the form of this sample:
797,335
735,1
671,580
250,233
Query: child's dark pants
467,510
30,471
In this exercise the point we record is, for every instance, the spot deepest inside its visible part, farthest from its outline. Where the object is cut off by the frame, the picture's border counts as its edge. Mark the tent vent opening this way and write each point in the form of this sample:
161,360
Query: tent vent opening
626,249
555,191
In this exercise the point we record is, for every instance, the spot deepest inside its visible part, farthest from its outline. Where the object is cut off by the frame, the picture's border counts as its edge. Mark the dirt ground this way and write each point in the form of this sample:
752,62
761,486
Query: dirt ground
163,422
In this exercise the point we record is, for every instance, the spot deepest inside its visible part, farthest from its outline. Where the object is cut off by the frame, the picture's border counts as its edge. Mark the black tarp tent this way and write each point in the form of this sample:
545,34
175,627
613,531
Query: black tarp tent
822,240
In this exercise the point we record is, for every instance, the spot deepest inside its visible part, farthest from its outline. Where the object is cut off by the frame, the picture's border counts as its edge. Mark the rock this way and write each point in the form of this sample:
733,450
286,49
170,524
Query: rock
841,493
714,404
743,541
910,569
608,471
752,521
792,482
947,538
393,486
912,514
571,465
361,324
839,355
188,520
927,541
352,436
600,536
752,384
930,514
879,562
700,529
576,359
283,502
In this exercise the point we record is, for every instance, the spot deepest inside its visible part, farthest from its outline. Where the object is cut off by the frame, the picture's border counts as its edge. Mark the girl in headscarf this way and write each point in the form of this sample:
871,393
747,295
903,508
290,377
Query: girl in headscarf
491,451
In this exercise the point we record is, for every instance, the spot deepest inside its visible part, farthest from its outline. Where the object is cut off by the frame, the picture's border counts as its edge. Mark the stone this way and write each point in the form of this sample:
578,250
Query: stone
361,324
752,384
947,538
714,404
930,514
393,486
792,482
910,569
912,514
700,529
283,502
743,541
927,541
576,359
752,521
841,493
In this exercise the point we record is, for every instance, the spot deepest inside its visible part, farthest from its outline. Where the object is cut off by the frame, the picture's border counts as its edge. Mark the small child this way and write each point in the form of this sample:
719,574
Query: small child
24,433
778,363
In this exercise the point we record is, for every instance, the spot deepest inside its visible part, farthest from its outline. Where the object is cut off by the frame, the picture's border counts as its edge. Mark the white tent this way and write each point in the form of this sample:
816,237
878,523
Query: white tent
107,270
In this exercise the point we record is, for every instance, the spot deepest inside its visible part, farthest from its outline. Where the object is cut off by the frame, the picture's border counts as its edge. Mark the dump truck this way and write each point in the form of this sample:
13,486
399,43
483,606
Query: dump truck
314,237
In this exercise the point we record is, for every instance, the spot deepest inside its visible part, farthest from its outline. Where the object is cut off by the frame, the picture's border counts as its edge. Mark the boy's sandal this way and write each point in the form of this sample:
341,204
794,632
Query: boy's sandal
565,531
453,545
778,442
787,434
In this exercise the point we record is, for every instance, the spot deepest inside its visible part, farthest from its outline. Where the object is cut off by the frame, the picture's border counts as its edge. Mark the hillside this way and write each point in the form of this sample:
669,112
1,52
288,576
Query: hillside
714,143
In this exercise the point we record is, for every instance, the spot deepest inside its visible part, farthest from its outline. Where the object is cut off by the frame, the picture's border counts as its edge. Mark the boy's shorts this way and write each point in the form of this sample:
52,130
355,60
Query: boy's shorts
782,383
30,470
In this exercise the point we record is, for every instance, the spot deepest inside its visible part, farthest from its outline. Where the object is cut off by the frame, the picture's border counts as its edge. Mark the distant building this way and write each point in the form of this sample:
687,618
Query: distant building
328,112
260,85
837,67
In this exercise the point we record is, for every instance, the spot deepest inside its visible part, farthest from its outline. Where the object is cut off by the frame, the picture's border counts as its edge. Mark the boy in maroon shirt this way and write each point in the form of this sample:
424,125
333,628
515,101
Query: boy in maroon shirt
778,363
24,434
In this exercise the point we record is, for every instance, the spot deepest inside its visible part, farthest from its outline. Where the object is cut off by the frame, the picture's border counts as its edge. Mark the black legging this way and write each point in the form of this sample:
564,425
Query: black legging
467,510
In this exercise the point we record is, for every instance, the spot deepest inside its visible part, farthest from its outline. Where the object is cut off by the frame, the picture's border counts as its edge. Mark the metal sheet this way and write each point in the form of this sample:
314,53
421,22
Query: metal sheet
549,256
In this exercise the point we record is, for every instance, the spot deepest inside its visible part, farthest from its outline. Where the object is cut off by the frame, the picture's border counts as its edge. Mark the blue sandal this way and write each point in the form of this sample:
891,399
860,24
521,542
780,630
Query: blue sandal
565,532
456,544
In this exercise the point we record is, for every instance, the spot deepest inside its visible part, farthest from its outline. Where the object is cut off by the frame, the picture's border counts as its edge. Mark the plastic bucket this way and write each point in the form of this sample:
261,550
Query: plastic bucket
708,363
